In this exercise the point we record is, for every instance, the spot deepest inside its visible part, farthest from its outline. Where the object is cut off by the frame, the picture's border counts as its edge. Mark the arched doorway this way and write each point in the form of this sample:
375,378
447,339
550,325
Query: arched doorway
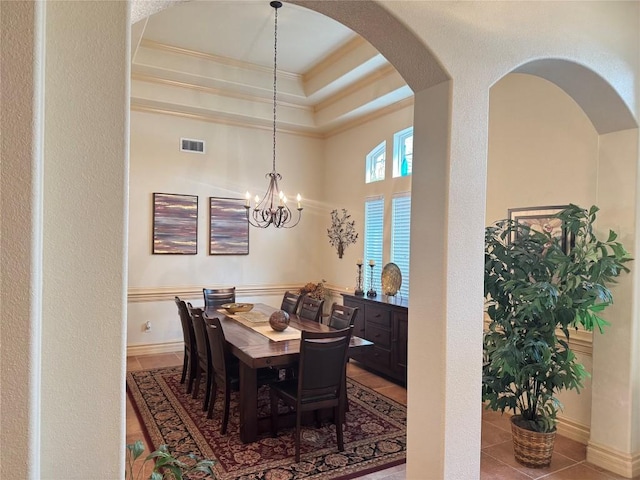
558,134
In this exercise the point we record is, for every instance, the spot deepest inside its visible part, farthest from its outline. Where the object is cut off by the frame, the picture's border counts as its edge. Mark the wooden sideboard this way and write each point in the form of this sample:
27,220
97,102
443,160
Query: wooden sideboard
382,320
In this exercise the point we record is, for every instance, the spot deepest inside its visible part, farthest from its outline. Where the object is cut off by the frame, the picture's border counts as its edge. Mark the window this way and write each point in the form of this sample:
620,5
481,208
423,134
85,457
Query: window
373,241
403,152
400,236
376,163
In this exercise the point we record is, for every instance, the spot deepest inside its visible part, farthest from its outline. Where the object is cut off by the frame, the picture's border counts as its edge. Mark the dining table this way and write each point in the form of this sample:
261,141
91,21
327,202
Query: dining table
257,345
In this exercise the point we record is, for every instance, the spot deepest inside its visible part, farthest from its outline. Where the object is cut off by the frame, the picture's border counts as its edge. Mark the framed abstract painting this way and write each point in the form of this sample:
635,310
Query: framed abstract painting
542,219
175,224
228,226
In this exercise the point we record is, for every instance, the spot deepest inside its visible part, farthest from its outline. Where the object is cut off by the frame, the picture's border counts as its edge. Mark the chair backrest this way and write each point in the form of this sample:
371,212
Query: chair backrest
214,297
342,316
290,302
187,326
218,346
311,308
323,359
202,342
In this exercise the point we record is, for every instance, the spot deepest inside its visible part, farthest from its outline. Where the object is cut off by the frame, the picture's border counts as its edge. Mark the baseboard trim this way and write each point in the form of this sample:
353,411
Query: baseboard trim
154,348
573,430
621,463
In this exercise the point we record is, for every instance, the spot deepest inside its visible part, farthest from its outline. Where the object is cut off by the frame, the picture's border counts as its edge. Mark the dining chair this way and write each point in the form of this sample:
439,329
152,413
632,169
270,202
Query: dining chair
225,370
291,302
320,381
342,316
214,297
190,360
204,354
311,309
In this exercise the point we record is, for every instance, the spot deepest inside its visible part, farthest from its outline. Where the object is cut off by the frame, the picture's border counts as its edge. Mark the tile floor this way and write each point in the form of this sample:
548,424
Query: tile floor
496,461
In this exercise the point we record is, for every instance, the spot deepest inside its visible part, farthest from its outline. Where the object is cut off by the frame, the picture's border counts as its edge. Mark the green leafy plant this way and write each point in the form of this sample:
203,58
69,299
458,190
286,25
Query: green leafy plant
535,293
166,466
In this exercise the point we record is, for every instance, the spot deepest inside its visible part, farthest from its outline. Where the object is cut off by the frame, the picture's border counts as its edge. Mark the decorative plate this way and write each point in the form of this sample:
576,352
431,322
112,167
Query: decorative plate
391,279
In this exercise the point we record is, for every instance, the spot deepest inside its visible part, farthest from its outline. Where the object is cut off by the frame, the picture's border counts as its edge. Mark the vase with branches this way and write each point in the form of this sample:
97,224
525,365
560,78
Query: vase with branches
342,232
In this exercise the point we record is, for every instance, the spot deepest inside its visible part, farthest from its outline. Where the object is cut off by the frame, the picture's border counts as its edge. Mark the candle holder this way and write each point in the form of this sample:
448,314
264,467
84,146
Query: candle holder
371,292
358,291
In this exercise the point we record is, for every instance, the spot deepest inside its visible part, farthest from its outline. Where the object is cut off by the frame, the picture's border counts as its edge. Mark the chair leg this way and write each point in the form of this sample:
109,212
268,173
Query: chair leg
338,416
193,369
196,384
298,421
344,395
207,395
185,365
225,417
212,400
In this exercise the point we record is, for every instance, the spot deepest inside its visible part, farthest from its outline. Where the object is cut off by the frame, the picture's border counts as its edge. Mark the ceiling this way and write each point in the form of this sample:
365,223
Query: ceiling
193,57
244,31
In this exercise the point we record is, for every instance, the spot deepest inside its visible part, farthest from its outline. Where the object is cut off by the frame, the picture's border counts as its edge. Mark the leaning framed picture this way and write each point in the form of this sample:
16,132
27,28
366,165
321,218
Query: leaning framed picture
175,224
228,226
542,219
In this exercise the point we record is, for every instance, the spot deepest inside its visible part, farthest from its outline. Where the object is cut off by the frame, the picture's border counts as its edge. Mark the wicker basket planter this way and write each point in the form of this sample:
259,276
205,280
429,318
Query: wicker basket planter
531,449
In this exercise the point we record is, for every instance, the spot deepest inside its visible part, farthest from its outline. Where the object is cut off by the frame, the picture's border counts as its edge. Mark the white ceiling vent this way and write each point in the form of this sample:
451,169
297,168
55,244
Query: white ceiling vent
190,145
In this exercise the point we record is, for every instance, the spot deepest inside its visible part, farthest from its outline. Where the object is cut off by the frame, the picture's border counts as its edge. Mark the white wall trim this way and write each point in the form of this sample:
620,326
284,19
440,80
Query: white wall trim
621,463
154,348
573,430
156,294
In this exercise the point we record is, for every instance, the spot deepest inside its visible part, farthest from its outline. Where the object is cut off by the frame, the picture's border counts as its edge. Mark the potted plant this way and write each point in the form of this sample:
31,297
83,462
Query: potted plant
165,466
536,291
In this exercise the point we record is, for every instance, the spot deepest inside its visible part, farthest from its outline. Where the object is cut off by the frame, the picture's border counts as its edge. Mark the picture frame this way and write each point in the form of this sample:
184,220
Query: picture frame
228,226
175,224
541,219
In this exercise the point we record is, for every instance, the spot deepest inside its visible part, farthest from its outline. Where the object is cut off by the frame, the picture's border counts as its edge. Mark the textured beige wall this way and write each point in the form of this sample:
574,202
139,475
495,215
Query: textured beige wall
543,150
21,56
84,198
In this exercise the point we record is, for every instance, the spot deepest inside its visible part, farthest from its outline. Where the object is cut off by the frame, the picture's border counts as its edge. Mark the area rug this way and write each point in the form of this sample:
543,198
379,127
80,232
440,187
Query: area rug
374,435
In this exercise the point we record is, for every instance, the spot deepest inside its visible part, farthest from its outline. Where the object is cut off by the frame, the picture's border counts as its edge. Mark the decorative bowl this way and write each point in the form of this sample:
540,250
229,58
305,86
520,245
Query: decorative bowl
237,307
279,320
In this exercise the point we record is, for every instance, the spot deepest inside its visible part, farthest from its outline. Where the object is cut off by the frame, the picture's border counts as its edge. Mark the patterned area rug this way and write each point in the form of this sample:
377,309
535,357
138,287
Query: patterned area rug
374,436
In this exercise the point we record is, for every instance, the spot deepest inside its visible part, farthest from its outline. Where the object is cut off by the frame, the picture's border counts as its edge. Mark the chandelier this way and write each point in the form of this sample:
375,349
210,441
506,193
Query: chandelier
273,208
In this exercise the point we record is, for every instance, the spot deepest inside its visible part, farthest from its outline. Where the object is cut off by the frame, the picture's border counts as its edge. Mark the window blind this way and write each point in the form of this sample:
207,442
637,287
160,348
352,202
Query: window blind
400,237
373,241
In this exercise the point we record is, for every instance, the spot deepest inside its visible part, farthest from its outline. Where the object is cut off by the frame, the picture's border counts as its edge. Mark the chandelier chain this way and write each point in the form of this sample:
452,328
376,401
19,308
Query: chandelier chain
275,76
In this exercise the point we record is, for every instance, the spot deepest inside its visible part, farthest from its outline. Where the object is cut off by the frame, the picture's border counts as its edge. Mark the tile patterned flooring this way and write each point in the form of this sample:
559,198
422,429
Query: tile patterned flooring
496,463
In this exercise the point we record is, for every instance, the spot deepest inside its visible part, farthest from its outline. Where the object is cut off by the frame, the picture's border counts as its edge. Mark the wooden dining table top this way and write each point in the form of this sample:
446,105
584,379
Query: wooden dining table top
256,350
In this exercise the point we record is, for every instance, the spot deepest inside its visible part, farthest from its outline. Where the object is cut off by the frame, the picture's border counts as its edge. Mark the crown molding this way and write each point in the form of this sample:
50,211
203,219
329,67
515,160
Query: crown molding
333,58
378,75
138,105
162,47
223,92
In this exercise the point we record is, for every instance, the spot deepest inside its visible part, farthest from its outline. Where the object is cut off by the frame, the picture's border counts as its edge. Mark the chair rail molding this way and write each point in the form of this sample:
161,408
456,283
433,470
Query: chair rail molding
166,293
